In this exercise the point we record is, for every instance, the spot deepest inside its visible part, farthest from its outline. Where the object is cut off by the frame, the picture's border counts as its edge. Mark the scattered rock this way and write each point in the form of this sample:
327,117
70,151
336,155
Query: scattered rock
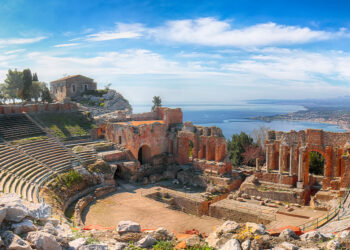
230,196
231,245
49,228
193,241
120,246
333,245
128,226
146,242
261,203
75,244
94,247
240,199
344,235
161,234
43,241
227,227
290,209
258,198
14,242
256,228
288,246
246,245
23,227
15,209
312,236
288,234
2,214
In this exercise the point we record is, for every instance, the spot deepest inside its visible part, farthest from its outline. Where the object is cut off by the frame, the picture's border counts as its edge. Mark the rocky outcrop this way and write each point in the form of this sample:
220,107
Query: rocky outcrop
107,104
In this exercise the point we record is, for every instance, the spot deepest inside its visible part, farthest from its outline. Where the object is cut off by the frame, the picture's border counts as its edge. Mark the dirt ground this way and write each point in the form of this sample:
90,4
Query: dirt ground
129,204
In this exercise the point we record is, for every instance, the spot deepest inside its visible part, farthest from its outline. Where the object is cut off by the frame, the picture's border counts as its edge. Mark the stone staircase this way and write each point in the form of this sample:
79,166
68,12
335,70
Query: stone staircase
21,174
18,126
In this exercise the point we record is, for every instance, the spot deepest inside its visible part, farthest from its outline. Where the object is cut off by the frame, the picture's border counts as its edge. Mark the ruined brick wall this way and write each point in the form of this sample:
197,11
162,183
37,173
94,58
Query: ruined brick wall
40,107
147,116
208,143
288,152
134,137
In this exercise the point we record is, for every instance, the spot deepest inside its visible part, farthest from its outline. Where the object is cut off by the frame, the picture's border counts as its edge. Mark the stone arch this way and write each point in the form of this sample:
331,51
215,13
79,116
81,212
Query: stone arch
117,172
144,154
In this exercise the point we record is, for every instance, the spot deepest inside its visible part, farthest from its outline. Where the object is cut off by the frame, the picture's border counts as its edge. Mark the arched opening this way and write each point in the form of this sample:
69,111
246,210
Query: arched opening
117,173
144,155
316,163
190,150
204,152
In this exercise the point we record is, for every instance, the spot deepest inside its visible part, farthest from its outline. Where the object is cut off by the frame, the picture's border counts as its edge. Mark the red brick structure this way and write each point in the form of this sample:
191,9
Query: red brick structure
160,137
287,157
34,108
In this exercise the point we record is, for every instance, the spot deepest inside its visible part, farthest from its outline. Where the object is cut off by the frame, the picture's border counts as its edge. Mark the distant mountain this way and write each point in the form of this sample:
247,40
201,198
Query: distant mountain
338,102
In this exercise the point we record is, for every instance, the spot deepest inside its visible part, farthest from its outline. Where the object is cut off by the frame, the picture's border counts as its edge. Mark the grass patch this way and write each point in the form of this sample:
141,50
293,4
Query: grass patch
29,139
67,125
69,179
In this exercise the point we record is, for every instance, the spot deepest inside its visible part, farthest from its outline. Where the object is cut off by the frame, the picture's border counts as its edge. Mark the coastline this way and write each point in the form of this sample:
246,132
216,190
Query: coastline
295,116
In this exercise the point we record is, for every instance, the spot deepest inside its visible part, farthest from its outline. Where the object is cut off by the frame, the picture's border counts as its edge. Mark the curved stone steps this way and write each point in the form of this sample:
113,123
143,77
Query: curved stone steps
53,162
9,182
17,167
50,154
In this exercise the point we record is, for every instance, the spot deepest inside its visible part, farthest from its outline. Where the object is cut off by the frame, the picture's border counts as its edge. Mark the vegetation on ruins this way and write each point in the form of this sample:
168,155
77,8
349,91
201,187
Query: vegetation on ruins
100,167
22,85
243,150
67,125
69,178
316,163
157,102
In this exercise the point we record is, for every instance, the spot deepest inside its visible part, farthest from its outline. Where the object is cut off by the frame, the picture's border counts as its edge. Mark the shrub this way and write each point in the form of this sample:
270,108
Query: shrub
70,178
163,245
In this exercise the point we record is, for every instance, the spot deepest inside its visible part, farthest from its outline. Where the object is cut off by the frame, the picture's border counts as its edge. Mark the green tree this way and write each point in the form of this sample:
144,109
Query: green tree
35,77
46,96
237,146
36,90
13,84
3,94
157,102
27,85
316,163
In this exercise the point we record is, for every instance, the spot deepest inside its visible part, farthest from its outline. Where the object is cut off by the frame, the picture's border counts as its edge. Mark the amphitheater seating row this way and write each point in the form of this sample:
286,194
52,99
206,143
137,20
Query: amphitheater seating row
51,153
21,174
18,126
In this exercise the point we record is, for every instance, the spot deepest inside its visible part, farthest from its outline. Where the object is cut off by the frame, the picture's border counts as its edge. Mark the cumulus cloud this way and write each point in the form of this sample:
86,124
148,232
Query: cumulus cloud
122,31
212,32
16,41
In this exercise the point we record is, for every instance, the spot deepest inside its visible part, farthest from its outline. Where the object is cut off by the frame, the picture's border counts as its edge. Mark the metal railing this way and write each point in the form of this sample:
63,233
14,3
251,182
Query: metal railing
320,221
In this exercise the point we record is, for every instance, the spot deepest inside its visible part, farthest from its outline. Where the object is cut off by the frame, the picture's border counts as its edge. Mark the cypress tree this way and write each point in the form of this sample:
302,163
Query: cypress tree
35,77
27,84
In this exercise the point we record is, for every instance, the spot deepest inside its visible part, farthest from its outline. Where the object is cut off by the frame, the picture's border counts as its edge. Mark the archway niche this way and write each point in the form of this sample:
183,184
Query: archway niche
316,163
117,172
144,154
190,150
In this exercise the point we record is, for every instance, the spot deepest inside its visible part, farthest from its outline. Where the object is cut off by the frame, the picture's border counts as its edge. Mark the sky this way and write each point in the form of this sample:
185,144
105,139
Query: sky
186,51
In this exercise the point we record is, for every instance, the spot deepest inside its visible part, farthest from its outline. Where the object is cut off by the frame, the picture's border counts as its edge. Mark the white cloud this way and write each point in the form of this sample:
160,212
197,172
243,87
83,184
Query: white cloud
122,31
10,52
16,41
199,54
66,45
213,32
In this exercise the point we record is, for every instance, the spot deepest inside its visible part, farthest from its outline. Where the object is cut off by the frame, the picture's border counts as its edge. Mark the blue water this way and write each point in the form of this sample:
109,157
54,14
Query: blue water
233,119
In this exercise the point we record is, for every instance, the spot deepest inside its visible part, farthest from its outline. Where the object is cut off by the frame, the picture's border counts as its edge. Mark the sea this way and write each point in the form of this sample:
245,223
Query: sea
234,119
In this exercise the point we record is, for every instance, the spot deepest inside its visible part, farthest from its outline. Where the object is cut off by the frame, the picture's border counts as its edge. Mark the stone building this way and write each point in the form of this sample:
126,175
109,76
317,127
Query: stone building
71,86
161,138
